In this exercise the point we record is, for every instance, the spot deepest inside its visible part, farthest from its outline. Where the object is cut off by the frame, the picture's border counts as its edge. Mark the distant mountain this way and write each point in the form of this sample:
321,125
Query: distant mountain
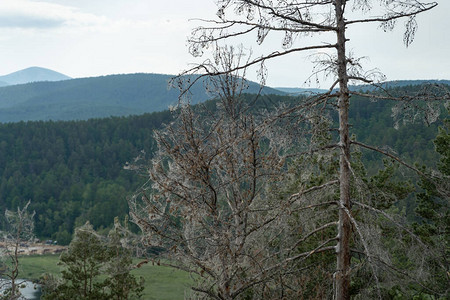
97,97
33,74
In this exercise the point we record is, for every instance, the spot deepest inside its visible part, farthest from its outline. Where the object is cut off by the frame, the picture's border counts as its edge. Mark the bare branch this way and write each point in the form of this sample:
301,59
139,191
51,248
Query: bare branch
207,71
312,233
312,189
390,155
366,248
395,16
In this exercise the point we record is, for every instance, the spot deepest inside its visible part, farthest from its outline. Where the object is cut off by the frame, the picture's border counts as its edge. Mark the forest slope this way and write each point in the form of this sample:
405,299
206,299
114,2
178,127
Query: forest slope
72,171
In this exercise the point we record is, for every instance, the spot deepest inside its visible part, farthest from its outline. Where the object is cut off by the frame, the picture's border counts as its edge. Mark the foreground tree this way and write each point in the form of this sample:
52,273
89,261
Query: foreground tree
222,204
19,230
206,204
295,19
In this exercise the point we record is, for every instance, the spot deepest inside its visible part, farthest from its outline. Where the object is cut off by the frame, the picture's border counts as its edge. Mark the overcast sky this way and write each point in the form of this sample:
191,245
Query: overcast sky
84,38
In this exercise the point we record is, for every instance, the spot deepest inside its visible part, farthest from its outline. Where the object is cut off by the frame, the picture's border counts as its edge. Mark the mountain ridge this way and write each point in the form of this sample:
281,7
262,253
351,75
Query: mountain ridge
98,97
115,95
365,87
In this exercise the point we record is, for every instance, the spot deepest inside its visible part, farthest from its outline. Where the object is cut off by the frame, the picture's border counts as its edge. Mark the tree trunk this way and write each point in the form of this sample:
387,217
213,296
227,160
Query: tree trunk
342,275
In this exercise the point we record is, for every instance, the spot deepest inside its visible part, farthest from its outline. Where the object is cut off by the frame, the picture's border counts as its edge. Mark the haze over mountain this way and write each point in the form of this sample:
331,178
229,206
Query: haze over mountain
97,97
32,74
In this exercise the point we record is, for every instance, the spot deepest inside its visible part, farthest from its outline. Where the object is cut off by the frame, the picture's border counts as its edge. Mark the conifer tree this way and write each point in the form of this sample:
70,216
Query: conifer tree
95,267
433,208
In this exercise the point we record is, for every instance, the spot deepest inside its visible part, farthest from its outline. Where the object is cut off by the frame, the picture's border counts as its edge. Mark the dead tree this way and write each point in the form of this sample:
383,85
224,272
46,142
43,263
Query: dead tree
297,19
20,226
208,203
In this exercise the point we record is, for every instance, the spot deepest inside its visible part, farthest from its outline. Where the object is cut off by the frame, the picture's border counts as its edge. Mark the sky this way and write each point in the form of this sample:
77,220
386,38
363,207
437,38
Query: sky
85,38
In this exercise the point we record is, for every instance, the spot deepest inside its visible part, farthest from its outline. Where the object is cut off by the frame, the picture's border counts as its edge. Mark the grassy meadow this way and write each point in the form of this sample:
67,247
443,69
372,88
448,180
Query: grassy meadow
161,282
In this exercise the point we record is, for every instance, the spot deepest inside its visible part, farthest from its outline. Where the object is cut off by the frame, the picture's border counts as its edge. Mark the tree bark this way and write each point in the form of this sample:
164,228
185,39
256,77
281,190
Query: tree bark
342,280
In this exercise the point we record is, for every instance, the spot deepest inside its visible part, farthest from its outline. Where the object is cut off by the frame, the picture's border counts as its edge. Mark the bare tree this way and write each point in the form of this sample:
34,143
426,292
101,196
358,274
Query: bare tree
217,203
208,202
297,19
20,226
209,199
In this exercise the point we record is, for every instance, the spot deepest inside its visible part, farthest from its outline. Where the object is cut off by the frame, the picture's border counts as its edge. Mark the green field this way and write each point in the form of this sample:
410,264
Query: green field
160,282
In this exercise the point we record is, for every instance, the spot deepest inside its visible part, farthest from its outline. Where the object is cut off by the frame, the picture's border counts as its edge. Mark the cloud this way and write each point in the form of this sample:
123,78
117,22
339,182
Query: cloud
43,15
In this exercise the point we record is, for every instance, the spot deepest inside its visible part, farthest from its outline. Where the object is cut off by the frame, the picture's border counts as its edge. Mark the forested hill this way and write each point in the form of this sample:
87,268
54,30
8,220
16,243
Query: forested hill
72,171
96,97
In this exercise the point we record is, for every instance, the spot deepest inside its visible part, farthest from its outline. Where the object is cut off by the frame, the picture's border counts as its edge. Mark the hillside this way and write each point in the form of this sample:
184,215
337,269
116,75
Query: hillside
32,74
73,171
96,97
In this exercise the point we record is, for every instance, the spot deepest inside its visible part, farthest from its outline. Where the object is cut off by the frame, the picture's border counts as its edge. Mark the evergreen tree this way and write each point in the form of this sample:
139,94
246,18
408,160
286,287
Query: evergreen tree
82,265
434,211
121,284
95,267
